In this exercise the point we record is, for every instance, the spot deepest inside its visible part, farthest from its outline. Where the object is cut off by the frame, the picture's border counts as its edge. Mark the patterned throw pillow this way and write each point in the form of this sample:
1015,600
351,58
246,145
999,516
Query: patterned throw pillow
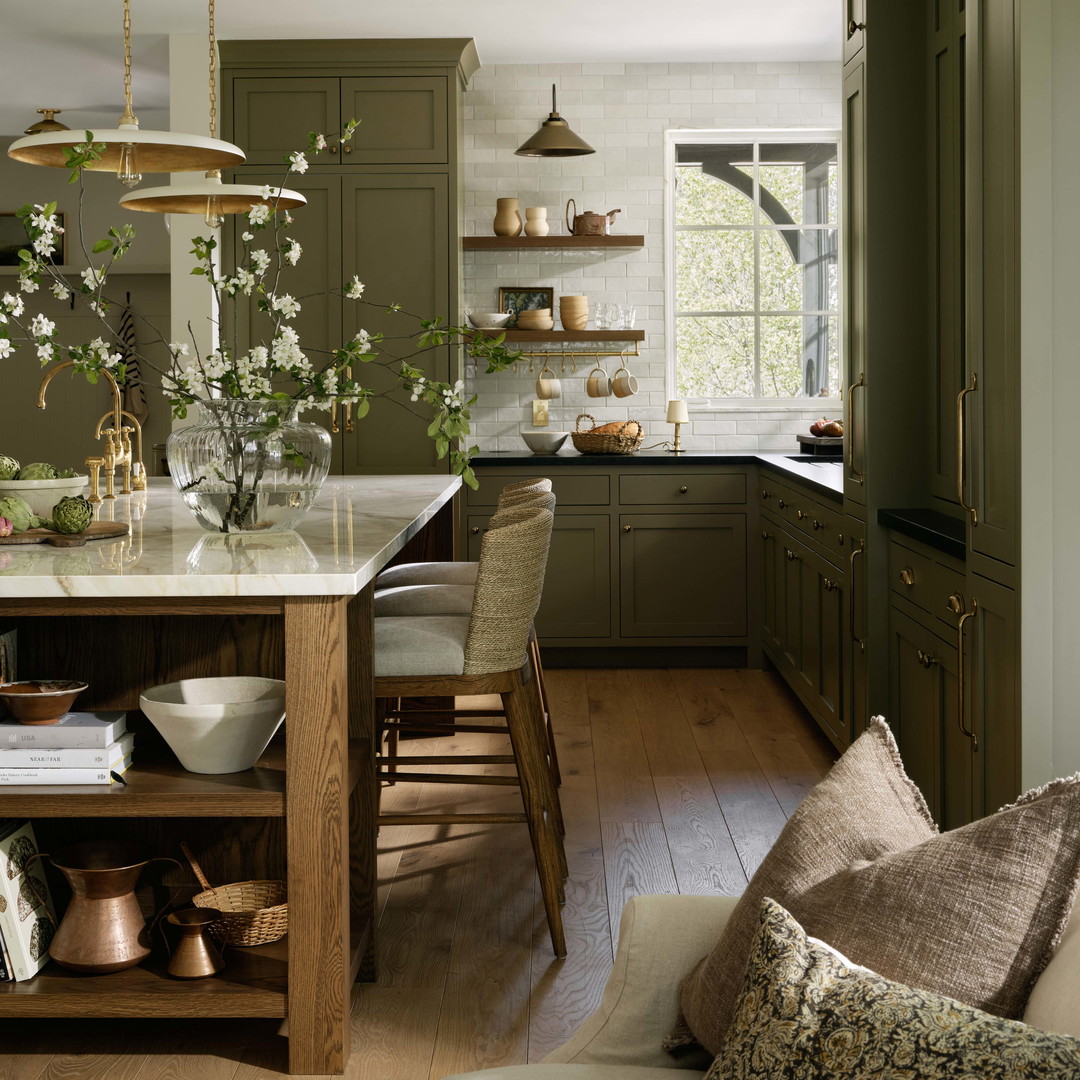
806,1013
973,914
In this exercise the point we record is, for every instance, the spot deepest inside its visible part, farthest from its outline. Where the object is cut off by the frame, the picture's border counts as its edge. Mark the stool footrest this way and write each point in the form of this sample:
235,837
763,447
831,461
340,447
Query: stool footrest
451,819
448,759
444,729
446,778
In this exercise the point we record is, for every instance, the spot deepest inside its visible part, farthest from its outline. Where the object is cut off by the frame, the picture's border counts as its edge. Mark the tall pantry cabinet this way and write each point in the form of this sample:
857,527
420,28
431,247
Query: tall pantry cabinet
384,206
931,289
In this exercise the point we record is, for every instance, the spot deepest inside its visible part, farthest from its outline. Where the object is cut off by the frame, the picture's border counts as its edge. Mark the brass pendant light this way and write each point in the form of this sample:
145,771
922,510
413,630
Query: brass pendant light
209,196
47,123
130,152
554,139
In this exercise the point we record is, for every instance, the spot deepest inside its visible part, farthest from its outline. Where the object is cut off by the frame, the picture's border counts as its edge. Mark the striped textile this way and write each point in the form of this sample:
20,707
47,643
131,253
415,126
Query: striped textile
134,394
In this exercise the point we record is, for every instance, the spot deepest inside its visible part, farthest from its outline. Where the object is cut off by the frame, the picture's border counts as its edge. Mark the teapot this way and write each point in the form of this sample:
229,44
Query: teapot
589,223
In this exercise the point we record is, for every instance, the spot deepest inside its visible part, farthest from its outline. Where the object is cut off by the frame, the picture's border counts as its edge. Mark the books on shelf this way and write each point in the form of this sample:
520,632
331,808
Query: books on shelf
73,757
72,731
27,918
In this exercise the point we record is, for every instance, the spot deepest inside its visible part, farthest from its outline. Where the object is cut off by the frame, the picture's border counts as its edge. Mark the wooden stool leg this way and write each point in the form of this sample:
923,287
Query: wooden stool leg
391,738
553,754
532,770
551,792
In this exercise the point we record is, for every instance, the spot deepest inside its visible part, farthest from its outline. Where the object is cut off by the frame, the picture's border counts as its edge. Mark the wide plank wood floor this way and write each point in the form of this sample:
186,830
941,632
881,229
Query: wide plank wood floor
673,781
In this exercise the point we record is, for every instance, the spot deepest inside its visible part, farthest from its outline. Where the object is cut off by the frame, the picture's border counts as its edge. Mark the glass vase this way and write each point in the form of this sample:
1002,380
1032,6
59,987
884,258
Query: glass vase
249,466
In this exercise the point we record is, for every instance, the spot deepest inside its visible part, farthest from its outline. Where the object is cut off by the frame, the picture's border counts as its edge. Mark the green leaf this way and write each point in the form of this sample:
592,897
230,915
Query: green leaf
434,426
198,270
101,245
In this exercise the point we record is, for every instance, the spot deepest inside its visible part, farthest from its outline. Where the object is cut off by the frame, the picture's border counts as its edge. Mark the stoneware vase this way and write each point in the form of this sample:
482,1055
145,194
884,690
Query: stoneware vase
507,218
536,222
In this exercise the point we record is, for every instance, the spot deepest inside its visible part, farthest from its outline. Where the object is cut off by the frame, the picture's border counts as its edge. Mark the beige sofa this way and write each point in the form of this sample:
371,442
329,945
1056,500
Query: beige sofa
660,940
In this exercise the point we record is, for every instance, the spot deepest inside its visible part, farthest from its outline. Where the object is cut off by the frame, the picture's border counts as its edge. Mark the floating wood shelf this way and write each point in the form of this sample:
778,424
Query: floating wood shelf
575,243
545,336
158,786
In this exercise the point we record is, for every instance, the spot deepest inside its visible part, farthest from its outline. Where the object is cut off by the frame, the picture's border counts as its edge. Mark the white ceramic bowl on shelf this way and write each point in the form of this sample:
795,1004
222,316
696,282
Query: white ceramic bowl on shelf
43,495
492,320
219,725
545,442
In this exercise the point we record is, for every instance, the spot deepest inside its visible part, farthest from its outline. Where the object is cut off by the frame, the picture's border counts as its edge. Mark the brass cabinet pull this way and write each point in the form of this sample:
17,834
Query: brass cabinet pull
782,504
853,27
960,668
333,417
766,494
840,539
827,585
348,407
626,528
849,431
792,556
683,490
907,577
956,604
961,441
765,535
925,659
860,550
346,149
817,524
799,514
332,149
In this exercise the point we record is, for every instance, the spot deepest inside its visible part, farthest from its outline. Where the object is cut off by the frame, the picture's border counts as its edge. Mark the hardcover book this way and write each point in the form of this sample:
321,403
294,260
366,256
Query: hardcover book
103,774
37,757
27,919
73,730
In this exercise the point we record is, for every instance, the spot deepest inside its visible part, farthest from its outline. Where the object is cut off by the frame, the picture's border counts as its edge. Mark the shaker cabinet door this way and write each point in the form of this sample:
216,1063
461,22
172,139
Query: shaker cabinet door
272,118
403,120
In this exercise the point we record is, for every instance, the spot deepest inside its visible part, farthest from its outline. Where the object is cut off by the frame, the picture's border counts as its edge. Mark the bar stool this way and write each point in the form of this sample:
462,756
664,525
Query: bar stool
485,652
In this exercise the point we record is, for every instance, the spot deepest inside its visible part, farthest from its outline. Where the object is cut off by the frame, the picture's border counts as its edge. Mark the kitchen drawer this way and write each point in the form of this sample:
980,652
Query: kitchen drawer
572,490
675,489
947,582
925,581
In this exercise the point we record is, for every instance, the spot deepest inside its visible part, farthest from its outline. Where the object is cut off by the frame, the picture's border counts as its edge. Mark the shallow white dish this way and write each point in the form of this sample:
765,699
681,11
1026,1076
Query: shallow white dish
219,725
493,320
43,495
545,442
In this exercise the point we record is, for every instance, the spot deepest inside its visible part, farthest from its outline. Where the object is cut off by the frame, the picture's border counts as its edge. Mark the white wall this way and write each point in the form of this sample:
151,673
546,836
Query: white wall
623,111
1050,366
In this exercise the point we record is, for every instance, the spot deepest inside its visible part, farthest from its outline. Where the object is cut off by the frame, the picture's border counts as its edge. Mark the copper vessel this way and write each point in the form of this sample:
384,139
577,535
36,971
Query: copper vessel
195,955
103,928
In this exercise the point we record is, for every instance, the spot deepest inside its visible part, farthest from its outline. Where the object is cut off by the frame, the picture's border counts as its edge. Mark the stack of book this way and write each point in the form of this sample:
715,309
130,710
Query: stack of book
27,917
80,748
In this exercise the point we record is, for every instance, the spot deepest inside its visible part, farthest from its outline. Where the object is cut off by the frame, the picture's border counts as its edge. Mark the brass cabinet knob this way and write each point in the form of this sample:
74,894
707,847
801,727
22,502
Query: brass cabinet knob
828,585
766,535
853,27
475,530
766,494
792,556
925,659
907,577
683,490
817,525
782,504
956,604
332,149
346,149
626,528
840,539
799,514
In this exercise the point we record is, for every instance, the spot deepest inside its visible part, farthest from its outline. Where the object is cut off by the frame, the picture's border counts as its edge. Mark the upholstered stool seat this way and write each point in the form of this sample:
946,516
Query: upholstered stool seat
433,599
420,645
427,573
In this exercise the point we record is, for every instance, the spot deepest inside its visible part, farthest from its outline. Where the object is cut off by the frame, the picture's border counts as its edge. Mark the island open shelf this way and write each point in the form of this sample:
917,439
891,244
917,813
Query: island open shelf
575,243
551,336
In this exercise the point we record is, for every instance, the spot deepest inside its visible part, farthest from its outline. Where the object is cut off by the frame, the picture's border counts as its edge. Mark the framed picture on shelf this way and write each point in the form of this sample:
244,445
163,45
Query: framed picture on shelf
13,237
517,299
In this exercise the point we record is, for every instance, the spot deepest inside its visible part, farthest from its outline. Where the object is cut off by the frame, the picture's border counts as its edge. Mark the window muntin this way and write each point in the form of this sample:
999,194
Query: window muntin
756,292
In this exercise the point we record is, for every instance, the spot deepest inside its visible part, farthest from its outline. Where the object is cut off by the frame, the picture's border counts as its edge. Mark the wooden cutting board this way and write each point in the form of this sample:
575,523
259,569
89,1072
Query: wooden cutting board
98,530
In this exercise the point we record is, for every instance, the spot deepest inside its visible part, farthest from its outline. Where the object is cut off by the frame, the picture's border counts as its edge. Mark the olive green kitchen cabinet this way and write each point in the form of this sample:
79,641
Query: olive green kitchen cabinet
384,207
854,27
640,556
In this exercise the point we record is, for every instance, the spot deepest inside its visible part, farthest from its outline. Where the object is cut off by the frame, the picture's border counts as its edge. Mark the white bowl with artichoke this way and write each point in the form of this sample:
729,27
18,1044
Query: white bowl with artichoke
32,493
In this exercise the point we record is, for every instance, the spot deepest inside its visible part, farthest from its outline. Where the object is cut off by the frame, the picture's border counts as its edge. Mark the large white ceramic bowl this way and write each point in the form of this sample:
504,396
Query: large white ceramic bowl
43,495
492,320
544,442
217,725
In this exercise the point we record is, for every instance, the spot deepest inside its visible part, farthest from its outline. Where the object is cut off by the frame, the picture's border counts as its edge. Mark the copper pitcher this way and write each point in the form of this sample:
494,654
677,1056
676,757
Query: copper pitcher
103,928
195,955
589,223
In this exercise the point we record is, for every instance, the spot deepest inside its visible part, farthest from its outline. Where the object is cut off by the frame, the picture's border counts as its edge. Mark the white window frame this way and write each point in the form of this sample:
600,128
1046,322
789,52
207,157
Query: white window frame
673,137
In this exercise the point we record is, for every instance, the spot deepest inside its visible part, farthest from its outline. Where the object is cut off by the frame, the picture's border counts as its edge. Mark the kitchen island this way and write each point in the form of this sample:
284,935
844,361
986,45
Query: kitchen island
170,602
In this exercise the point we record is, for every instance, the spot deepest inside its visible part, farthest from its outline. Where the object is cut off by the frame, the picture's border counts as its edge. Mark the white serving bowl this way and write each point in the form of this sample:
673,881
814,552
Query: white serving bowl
493,320
43,495
219,725
545,442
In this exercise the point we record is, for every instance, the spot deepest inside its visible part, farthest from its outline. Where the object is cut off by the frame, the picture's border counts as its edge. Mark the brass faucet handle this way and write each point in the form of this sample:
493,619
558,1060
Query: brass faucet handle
94,464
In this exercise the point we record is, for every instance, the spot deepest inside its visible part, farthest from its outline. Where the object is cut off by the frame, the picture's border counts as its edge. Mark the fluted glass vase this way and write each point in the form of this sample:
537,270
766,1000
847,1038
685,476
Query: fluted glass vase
249,466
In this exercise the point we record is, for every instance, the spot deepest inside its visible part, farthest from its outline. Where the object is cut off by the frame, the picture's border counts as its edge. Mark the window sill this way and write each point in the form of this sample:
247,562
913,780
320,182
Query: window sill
832,406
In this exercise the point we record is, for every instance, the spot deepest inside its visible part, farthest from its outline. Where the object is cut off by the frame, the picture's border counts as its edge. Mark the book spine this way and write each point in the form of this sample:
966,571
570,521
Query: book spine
5,973
60,738
67,758
61,776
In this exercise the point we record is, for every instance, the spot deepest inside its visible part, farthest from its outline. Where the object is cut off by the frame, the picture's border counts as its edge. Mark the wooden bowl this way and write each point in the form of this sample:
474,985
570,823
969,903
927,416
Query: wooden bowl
40,701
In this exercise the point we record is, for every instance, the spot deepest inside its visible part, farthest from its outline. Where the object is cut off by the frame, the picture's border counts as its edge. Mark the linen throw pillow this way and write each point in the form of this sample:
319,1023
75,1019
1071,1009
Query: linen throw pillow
807,1013
973,914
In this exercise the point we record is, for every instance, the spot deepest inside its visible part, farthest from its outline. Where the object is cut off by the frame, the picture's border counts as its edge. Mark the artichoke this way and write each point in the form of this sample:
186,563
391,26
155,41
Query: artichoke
5,527
72,514
67,474
9,467
38,470
18,512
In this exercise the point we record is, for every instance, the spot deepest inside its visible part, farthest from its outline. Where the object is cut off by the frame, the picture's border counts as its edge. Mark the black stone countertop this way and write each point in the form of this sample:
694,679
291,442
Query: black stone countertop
945,534
826,476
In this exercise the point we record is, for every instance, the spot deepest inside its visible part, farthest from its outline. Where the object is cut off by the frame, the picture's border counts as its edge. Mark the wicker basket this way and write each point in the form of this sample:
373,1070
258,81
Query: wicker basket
252,912
625,441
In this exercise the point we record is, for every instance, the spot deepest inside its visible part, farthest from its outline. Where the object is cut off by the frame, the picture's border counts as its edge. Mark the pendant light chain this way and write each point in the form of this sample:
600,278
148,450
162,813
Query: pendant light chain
213,74
129,116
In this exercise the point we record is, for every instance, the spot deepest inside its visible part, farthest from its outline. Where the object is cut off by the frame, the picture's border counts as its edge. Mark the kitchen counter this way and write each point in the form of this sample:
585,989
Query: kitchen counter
355,527
824,475
938,530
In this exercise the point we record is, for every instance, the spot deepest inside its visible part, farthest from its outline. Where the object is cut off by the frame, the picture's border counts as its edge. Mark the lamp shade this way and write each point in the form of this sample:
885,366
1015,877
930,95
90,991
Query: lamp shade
554,139
192,198
677,413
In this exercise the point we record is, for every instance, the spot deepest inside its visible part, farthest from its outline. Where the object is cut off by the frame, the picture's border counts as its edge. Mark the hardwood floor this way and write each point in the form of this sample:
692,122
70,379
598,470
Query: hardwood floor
673,781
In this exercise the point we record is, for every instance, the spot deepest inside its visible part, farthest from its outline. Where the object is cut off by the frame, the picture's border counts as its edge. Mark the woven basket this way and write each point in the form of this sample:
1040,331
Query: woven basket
252,912
625,441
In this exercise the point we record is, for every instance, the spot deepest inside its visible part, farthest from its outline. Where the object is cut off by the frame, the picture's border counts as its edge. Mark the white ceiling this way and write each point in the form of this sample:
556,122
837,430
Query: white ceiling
67,53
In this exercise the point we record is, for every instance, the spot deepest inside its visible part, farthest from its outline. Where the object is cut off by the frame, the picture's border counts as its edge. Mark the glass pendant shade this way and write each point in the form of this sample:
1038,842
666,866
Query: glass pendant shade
554,139
209,197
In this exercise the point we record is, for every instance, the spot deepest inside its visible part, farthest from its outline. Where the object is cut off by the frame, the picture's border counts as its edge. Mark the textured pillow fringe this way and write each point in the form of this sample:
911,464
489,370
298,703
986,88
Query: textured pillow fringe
880,727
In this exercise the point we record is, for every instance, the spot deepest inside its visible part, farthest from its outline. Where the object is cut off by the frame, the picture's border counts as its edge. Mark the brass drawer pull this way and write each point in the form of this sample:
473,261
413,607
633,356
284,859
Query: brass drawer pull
817,525
860,550
956,604
766,494
683,490
907,577
961,665
849,432
332,149
792,556
799,514
475,530
782,504
925,659
626,528
961,448
829,586
853,27
765,535
346,149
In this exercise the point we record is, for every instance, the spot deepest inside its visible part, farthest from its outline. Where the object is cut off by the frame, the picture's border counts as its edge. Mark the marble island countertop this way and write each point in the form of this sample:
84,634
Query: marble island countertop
358,523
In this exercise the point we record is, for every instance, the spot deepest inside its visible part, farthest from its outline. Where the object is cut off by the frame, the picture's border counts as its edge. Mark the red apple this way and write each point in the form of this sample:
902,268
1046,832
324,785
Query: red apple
833,429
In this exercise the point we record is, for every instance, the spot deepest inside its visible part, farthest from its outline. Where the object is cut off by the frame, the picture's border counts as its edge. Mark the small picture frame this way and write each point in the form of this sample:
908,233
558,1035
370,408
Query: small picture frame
13,238
517,298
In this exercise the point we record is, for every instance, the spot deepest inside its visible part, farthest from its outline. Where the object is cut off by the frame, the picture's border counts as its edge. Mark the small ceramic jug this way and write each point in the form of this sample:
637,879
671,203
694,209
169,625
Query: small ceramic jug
507,218
536,222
